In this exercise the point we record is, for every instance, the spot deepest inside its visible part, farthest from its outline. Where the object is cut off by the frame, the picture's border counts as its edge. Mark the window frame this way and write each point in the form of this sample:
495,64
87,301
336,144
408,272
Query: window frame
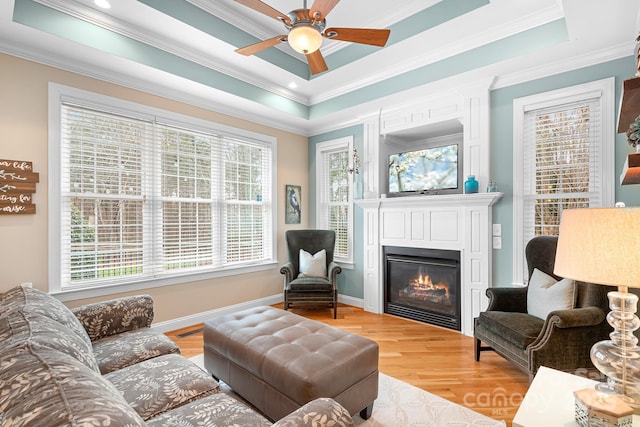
57,95
322,148
604,91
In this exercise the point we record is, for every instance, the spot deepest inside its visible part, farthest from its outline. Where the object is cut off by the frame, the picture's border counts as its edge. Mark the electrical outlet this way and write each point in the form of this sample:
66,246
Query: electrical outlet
497,230
497,242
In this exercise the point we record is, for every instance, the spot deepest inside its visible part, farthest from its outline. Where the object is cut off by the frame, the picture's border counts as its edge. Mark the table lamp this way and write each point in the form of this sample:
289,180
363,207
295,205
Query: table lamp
601,245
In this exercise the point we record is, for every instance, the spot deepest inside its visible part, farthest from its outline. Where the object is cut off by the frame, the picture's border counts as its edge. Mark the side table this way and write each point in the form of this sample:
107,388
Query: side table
550,402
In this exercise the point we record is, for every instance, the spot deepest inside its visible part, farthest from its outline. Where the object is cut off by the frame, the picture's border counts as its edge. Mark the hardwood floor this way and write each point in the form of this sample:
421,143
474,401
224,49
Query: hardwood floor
434,359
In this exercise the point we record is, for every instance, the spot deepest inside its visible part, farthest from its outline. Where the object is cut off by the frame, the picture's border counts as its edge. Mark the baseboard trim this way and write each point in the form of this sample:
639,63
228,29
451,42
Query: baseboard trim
348,300
194,319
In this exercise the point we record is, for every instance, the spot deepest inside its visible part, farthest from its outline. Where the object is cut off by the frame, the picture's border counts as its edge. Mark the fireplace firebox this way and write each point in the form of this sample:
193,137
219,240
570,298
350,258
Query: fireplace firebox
423,284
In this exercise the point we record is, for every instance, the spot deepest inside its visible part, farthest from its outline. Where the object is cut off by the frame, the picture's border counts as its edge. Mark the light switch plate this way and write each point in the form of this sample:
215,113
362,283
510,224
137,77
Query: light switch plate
497,230
497,242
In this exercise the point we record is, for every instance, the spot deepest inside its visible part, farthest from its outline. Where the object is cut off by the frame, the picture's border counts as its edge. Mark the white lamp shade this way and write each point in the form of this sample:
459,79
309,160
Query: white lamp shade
304,39
600,245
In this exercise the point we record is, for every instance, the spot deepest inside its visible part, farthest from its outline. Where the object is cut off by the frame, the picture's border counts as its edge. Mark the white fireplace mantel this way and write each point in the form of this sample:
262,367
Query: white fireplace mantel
453,222
488,199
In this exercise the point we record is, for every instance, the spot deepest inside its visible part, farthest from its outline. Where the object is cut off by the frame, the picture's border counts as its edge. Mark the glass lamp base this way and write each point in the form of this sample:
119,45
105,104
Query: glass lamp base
619,358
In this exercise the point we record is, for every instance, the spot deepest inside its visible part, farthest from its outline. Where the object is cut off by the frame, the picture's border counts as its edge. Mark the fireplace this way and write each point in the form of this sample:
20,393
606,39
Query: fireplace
423,284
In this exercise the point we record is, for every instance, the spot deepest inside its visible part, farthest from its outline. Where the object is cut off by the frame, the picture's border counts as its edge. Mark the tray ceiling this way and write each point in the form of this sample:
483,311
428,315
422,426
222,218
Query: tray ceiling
184,49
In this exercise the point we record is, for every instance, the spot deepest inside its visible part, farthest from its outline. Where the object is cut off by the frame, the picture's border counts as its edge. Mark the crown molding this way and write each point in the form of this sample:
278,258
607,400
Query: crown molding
444,51
569,64
161,42
172,88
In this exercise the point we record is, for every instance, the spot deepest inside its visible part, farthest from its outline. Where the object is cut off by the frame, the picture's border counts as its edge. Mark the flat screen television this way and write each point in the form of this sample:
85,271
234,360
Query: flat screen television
430,170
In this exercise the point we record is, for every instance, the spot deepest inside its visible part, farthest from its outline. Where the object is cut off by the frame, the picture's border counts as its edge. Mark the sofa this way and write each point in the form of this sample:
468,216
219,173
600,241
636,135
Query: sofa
103,365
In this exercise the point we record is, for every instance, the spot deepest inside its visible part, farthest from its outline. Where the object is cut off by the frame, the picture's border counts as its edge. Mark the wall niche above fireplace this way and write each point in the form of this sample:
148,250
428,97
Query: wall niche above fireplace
425,160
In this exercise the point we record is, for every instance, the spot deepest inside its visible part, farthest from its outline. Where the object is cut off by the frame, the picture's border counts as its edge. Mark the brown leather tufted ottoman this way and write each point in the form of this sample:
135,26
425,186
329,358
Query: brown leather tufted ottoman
278,361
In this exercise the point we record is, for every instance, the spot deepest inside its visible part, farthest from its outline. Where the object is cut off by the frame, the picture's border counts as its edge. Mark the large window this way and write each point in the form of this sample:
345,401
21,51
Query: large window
142,196
563,159
335,194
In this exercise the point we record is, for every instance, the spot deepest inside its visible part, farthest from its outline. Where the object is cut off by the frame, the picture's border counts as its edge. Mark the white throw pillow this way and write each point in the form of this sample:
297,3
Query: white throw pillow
313,265
546,294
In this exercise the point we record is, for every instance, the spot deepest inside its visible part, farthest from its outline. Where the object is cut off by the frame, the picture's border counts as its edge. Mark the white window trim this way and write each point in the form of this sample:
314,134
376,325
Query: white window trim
59,94
321,195
605,89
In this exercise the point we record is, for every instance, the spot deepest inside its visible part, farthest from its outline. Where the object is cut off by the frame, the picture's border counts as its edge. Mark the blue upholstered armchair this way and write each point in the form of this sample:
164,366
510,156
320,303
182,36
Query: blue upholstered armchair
310,276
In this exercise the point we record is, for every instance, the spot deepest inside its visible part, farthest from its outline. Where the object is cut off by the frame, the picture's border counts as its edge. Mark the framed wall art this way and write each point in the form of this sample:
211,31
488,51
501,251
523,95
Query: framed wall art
17,185
293,202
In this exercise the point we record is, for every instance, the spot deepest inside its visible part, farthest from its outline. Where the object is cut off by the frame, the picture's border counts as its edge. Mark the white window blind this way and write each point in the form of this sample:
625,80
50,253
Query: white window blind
103,195
335,194
247,200
563,158
336,183
144,198
563,167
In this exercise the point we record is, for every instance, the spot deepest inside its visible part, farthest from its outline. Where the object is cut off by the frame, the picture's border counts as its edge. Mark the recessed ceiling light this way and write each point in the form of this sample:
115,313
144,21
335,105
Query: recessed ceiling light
102,3
292,85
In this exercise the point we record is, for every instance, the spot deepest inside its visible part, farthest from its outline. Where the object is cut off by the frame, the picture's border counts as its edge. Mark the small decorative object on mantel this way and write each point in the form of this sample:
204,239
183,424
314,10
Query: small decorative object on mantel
471,185
599,409
17,185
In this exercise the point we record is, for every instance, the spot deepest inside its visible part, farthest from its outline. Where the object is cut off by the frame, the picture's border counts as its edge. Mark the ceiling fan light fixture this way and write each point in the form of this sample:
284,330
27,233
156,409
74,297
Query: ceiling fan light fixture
305,39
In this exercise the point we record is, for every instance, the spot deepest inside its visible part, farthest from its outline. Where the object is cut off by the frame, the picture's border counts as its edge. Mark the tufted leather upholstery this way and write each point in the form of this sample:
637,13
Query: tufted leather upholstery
279,361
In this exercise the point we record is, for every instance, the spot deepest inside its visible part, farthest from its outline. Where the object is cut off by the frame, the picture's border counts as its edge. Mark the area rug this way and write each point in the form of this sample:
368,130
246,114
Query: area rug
402,405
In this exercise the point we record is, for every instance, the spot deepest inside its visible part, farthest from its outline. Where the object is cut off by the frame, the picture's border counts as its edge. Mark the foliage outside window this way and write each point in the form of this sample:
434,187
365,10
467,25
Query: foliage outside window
145,197
335,194
563,159
563,148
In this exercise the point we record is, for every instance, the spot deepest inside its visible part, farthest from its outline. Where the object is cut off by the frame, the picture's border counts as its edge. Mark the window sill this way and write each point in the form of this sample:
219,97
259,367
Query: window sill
105,290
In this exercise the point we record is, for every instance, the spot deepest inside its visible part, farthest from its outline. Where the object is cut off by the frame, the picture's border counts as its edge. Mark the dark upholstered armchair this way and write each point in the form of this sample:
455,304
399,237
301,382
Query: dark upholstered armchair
314,289
562,341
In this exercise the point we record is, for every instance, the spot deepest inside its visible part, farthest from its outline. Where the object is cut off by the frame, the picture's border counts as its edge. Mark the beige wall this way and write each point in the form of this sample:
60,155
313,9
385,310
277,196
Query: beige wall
24,242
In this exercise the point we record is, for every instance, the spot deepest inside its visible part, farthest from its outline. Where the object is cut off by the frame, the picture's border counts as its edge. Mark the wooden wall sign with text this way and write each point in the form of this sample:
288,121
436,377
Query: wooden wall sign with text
17,185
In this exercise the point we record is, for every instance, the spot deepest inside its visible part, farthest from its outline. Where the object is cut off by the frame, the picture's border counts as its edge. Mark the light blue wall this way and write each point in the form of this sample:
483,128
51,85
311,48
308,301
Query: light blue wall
349,281
502,148
501,161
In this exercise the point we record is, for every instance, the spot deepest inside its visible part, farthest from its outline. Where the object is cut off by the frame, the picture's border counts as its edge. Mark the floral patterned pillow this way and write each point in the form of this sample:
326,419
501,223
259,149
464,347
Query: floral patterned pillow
47,388
20,328
35,301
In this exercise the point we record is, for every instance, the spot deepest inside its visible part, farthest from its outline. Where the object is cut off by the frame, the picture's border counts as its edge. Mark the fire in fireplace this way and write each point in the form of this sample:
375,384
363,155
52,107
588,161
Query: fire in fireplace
423,284
423,289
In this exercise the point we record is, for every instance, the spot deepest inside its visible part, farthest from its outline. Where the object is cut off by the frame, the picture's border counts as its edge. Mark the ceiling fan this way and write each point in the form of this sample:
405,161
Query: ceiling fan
306,30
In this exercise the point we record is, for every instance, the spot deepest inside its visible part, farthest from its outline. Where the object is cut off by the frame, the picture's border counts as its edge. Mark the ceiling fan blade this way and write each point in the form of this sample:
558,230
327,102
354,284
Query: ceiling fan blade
323,7
359,35
264,8
316,62
260,46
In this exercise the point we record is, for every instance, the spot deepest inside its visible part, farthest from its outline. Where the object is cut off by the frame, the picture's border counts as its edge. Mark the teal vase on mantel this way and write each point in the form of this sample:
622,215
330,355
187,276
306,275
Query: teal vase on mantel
471,185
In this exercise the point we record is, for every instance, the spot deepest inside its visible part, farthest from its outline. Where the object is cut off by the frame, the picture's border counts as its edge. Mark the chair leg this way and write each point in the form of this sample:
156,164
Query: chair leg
477,347
335,310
